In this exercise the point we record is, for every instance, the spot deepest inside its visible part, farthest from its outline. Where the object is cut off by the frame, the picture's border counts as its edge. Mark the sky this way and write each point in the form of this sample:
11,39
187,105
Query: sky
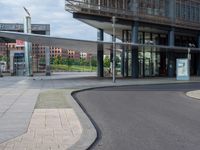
47,12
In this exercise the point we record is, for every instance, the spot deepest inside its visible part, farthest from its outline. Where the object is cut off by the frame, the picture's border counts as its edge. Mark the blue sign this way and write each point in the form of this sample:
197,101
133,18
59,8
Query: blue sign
19,55
182,69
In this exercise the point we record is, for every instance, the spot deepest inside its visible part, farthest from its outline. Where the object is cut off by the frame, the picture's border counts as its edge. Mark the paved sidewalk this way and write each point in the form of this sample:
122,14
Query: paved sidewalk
16,107
194,94
49,129
53,126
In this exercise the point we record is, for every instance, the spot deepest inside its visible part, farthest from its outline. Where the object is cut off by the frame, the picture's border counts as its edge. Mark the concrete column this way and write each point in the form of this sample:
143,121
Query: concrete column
28,47
122,61
134,51
198,55
111,55
100,67
123,54
47,60
170,55
126,55
11,62
171,37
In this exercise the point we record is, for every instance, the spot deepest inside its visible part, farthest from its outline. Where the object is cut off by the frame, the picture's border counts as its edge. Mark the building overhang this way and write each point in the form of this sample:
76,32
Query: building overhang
105,23
89,8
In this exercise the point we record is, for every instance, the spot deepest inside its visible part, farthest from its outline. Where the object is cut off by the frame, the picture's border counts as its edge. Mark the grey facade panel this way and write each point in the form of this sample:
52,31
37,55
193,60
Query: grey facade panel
20,27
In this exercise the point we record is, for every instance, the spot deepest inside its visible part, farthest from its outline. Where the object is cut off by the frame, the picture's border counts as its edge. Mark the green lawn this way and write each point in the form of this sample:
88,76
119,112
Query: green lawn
75,68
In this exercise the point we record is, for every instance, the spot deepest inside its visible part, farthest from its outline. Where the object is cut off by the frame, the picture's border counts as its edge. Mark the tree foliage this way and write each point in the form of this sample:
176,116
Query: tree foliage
3,58
107,62
69,61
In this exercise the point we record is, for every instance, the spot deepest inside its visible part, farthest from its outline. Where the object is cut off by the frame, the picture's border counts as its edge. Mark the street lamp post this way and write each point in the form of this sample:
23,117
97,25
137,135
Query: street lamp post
91,63
0,70
189,55
28,58
114,48
7,57
37,55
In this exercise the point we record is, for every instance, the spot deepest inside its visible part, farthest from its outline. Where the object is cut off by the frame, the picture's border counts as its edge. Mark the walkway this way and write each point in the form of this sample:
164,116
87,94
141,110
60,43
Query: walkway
49,129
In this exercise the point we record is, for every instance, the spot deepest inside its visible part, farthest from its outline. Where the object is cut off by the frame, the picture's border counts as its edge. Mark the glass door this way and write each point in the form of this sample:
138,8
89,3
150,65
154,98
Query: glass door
147,71
149,62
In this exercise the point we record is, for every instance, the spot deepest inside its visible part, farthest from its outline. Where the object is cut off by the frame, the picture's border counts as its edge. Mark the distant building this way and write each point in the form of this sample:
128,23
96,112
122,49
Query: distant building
2,49
36,28
86,56
39,51
71,54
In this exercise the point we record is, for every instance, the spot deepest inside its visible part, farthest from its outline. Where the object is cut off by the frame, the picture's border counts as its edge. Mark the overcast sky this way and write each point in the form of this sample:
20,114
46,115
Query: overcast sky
48,12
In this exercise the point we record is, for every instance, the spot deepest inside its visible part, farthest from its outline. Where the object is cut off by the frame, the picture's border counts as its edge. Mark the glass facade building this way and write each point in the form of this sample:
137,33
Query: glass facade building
174,25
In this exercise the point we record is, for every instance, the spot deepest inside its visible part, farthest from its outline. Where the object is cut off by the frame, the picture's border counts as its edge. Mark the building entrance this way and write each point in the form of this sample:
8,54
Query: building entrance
149,62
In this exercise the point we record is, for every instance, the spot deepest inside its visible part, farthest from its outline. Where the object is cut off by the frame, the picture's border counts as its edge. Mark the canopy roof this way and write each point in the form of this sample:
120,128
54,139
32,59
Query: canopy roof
80,45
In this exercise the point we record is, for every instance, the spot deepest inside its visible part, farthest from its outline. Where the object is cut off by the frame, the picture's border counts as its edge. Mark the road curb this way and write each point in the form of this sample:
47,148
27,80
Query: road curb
89,133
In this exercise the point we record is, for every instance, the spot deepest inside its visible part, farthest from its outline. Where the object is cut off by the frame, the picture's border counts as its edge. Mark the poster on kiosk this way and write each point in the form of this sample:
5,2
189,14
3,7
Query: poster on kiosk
182,69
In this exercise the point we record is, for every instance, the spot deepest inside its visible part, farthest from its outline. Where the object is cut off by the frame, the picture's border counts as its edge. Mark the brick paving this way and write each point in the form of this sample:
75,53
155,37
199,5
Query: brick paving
49,129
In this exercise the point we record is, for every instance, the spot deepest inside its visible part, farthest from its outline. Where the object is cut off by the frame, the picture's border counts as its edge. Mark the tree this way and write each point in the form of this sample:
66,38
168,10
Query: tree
64,61
94,61
3,58
70,63
57,60
52,60
82,61
42,60
107,62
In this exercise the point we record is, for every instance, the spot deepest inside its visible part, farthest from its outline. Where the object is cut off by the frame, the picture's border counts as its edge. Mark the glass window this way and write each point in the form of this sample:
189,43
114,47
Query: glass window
183,11
193,13
140,38
155,39
163,39
197,13
178,40
147,38
178,14
187,12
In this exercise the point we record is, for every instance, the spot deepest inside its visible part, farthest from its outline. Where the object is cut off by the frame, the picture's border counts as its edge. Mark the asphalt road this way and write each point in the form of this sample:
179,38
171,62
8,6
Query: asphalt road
150,117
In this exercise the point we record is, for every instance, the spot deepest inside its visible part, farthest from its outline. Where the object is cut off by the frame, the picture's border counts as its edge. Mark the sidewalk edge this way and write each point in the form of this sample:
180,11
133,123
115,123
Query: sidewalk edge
194,94
89,133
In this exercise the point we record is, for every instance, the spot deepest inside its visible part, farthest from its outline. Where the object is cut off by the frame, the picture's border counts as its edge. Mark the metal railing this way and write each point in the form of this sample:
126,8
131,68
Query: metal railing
77,5
92,8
